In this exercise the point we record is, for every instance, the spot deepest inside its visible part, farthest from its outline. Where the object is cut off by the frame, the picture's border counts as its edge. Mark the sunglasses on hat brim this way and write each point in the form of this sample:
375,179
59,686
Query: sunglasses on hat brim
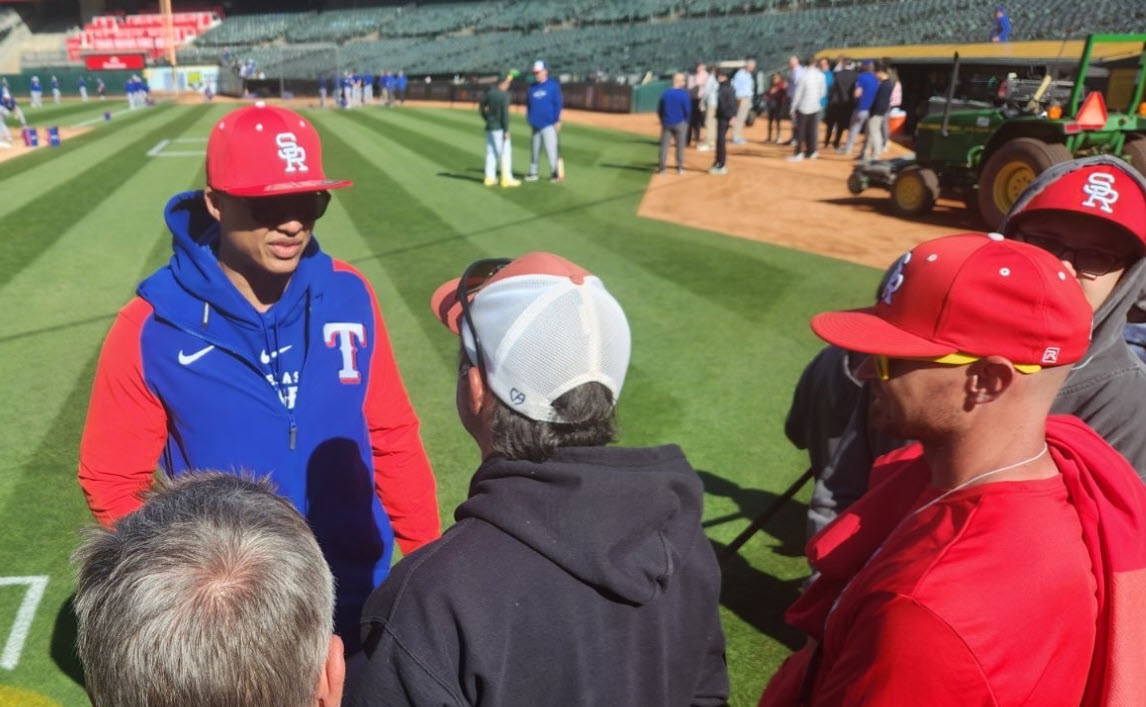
473,279
882,363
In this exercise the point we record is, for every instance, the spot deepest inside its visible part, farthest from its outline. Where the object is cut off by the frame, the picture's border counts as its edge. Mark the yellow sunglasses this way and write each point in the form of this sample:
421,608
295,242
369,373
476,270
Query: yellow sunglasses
882,366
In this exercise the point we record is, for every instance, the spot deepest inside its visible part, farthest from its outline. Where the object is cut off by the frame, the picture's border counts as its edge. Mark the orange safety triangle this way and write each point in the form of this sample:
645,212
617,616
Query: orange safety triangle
1092,115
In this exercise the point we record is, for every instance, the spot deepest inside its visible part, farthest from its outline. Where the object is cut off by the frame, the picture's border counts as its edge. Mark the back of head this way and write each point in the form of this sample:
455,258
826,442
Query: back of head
215,592
553,347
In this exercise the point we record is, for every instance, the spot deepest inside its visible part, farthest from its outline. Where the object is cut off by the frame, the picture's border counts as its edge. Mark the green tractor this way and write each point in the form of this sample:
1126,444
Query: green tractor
987,154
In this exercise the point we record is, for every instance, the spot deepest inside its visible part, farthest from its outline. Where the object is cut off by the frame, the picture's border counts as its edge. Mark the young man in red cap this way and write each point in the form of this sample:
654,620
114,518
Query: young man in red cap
999,561
1092,213
577,573
252,350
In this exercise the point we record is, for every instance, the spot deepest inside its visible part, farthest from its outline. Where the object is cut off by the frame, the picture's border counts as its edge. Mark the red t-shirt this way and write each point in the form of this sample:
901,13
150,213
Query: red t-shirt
985,598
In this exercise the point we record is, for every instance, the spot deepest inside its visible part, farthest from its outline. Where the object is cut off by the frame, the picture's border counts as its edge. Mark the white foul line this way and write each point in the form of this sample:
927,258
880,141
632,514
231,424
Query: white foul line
153,152
23,623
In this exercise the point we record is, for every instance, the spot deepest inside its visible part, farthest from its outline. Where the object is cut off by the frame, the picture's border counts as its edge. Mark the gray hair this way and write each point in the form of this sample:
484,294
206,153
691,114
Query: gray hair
214,593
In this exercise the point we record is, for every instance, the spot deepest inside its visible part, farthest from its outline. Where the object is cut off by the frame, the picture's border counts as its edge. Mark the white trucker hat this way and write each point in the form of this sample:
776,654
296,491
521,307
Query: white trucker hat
544,326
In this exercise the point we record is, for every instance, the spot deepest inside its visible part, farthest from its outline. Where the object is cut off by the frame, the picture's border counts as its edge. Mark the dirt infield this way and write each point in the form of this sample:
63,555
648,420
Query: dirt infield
18,148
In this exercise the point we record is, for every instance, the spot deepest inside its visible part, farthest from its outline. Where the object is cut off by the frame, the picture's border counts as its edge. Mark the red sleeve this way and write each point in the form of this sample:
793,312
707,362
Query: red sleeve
900,653
403,479
126,427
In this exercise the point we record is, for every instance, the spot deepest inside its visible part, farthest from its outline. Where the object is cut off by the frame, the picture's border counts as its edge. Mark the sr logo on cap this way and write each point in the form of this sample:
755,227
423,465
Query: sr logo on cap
291,152
1100,187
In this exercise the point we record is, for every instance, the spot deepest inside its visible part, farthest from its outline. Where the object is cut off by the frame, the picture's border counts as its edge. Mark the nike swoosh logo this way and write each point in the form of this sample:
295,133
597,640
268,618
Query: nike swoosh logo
266,358
188,359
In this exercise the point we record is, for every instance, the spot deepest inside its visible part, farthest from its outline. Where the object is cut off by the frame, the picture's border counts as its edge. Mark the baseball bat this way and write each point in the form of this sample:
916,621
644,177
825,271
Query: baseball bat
505,173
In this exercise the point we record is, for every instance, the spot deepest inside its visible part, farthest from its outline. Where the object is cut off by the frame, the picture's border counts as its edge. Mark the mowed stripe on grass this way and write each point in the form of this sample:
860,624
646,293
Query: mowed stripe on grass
93,266
719,326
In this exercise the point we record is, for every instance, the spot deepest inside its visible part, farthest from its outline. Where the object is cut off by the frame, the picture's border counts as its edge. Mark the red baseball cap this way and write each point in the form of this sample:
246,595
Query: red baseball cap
263,150
1102,187
971,293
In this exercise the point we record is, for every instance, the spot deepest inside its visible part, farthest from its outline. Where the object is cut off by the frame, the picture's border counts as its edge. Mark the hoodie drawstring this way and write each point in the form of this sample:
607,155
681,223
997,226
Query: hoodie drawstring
206,312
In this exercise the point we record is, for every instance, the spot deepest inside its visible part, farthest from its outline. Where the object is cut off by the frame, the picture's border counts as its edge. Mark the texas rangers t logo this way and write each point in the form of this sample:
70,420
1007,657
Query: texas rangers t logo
342,335
1099,187
291,153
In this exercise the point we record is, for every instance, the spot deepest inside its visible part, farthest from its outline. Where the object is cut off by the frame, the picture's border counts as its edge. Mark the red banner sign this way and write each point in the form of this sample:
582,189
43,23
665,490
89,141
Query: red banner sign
113,62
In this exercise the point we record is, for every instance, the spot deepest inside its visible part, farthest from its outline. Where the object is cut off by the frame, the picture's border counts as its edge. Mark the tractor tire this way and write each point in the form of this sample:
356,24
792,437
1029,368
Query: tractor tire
914,192
1134,152
1008,172
856,183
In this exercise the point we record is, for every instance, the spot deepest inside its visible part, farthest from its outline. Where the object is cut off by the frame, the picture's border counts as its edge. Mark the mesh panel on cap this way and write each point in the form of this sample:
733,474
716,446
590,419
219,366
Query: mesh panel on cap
543,335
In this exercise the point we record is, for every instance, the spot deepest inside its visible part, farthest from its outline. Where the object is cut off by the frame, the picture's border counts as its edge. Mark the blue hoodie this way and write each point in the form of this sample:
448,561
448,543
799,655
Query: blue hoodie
305,392
544,105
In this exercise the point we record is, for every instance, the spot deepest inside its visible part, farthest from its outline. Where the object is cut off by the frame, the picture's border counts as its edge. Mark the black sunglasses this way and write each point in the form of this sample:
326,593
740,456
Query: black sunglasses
1088,261
306,207
473,279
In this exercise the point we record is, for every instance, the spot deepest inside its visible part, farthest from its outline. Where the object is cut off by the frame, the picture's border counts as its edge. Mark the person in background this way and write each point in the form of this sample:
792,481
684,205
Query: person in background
494,109
745,88
806,105
674,111
866,85
880,105
726,107
696,84
774,98
1001,27
841,101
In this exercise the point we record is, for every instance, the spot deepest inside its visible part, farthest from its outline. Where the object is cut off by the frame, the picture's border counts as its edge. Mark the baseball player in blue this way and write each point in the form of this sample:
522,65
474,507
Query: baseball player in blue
255,351
36,93
401,81
543,111
55,90
83,84
101,89
8,107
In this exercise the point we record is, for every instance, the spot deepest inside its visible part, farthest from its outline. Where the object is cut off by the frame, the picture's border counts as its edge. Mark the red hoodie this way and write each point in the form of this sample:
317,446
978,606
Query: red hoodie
1028,592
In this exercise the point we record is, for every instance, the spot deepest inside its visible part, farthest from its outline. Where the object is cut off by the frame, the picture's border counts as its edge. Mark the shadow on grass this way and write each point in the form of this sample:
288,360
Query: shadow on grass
461,177
63,647
759,599
647,167
788,525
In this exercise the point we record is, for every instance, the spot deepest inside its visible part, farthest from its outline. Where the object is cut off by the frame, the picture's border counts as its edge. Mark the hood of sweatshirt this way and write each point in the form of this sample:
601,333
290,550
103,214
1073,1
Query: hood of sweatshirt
193,293
619,520
1110,318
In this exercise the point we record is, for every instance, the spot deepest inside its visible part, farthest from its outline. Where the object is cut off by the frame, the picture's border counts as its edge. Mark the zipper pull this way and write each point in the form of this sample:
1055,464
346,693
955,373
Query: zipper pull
293,434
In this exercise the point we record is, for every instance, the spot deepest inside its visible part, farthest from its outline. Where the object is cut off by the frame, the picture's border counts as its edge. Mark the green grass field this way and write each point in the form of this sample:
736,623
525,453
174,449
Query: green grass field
719,327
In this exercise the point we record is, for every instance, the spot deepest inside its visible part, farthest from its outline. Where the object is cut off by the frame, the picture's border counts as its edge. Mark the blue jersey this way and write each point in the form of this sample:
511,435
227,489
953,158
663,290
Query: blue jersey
402,82
35,84
306,392
83,82
55,83
8,102
543,107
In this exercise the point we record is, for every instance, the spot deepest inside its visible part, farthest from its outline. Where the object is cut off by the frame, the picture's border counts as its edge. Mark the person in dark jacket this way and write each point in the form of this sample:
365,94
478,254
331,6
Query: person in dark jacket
841,101
577,573
674,110
726,106
494,109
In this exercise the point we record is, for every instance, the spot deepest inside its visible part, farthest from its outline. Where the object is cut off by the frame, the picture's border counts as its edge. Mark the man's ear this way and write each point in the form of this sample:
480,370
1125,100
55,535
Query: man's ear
476,390
332,677
211,199
988,378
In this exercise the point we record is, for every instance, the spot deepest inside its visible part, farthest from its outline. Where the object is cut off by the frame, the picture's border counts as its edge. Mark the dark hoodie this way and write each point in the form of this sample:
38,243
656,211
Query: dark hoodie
1107,388
582,580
